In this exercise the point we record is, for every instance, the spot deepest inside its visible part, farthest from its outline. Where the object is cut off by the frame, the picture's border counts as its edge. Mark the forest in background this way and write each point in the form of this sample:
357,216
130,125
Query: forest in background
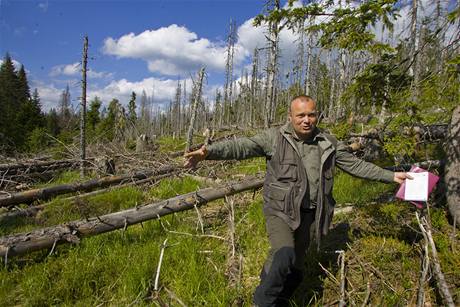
352,74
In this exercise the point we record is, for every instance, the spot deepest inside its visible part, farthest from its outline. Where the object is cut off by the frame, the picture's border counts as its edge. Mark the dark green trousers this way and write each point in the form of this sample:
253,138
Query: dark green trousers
283,269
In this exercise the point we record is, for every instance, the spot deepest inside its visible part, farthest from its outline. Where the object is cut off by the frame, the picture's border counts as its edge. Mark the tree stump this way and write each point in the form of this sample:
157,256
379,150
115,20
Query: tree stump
142,143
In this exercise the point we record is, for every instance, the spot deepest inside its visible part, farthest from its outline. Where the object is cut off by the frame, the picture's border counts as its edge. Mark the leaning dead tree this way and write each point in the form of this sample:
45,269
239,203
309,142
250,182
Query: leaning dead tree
47,193
72,232
452,177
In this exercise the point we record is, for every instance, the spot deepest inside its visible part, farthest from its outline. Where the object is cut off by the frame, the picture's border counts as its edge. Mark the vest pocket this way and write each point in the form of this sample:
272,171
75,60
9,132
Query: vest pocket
287,171
277,195
281,198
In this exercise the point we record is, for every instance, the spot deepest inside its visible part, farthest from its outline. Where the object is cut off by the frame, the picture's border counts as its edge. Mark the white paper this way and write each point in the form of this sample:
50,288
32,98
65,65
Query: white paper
417,188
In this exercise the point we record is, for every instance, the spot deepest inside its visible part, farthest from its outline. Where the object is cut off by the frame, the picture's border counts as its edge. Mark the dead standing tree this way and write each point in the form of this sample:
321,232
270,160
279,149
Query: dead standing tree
196,100
272,65
83,108
228,89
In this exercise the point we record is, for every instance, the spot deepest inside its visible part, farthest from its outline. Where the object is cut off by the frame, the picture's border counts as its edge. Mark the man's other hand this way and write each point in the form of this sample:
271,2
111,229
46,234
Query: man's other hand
192,158
399,177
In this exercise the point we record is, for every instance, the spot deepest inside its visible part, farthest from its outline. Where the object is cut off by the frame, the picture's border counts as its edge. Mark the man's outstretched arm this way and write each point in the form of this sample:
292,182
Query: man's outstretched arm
362,169
260,145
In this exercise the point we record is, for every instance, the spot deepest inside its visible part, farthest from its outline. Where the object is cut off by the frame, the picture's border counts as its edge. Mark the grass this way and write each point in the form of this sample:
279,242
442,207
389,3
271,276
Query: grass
118,268
349,189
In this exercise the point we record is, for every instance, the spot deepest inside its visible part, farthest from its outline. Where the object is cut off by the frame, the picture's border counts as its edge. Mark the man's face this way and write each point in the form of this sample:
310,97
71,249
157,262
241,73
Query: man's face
303,117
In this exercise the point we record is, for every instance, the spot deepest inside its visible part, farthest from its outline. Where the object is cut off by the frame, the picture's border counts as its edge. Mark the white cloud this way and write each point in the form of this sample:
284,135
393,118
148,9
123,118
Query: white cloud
66,70
163,90
43,6
75,69
49,94
251,37
170,50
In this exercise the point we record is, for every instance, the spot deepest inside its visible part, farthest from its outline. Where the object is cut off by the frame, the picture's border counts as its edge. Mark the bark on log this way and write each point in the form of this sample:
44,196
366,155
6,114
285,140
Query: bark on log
72,232
426,133
429,164
46,193
452,177
13,169
32,211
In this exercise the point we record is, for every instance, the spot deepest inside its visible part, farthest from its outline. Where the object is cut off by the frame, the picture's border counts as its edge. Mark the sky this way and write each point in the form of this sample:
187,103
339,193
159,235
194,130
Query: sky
134,45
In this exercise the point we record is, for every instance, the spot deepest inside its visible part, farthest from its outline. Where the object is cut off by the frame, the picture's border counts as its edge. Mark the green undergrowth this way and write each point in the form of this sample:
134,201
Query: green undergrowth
348,189
254,166
169,144
63,178
380,240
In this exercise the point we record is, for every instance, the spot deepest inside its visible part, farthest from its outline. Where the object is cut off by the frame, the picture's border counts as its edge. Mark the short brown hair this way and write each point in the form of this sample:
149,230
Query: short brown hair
305,98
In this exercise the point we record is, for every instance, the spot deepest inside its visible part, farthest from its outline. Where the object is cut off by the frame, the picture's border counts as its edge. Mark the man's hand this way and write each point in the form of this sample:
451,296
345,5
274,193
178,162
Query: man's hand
399,177
192,158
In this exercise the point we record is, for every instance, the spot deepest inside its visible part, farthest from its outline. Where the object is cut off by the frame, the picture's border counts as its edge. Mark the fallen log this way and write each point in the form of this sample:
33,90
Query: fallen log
38,167
426,229
429,164
34,210
423,132
452,175
17,182
46,193
72,232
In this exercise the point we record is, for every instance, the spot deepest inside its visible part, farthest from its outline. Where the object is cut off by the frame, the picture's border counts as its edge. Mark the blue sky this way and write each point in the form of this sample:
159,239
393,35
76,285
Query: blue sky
135,45
47,37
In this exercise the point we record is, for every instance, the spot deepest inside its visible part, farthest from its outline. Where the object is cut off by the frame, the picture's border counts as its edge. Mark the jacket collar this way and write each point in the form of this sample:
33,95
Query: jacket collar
287,129
323,142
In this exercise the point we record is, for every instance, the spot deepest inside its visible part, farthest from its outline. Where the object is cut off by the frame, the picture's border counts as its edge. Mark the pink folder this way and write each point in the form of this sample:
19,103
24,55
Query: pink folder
432,180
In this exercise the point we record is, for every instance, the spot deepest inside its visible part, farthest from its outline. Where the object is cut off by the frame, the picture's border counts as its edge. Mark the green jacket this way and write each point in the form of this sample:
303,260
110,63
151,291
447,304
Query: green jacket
286,180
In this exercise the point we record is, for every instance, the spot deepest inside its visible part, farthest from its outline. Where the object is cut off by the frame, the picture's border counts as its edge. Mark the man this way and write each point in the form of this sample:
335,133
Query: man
297,190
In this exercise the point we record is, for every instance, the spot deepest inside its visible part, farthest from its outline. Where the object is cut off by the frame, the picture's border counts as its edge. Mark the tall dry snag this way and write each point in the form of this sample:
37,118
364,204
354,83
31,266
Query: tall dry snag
83,108
194,108
272,65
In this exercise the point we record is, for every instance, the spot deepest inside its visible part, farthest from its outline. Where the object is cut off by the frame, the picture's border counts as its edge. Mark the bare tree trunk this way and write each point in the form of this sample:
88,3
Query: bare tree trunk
272,62
228,89
254,83
83,109
47,193
425,227
308,69
414,69
196,101
452,177
331,95
13,169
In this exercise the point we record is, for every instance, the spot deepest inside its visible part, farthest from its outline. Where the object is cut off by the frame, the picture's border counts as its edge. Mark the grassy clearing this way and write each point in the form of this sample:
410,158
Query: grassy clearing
118,268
